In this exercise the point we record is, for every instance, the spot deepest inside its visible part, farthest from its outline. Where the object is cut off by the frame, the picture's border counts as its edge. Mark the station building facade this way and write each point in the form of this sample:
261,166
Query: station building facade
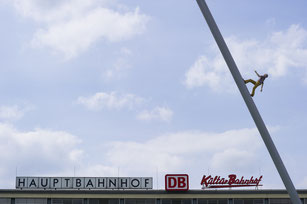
18,196
135,190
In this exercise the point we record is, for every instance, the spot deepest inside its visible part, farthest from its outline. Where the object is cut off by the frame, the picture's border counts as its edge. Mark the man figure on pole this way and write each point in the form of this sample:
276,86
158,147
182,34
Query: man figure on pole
258,83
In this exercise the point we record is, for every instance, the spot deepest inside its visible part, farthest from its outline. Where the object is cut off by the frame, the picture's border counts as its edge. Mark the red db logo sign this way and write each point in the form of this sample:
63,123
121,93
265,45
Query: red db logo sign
176,182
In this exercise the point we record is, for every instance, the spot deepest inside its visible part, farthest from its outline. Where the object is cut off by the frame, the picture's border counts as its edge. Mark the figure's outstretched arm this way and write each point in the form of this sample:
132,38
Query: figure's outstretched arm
257,73
261,87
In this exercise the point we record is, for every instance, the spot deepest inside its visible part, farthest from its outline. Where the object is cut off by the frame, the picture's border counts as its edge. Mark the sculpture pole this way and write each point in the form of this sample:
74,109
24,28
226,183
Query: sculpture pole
249,102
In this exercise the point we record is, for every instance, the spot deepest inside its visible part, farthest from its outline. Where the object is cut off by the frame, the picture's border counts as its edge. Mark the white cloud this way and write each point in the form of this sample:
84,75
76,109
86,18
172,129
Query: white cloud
111,100
97,170
173,152
242,158
38,151
158,113
276,55
56,153
70,27
13,112
120,65
204,73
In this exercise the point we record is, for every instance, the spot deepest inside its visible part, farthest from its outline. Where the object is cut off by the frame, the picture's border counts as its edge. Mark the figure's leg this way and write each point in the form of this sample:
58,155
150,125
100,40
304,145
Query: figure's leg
254,88
249,80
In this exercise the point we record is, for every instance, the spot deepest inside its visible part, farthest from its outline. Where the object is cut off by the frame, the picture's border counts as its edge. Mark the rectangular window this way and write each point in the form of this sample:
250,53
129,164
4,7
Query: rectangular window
30,201
103,201
258,201
166,201
280,201
176,201
5,201
248,201
139,201
67,201
212,201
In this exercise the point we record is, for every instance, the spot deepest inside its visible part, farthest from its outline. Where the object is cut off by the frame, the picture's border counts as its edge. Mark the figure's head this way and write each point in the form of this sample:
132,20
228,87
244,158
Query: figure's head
265,75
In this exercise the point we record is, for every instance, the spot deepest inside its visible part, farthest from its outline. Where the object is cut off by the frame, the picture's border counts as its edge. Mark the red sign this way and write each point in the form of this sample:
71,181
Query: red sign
176,182
232,181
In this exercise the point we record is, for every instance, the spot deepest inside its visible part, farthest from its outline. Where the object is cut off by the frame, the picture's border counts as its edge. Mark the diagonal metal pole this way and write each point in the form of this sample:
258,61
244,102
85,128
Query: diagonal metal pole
249,102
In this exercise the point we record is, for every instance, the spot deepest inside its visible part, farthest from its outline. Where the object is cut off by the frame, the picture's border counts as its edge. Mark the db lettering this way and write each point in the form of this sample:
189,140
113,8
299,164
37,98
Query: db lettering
176,182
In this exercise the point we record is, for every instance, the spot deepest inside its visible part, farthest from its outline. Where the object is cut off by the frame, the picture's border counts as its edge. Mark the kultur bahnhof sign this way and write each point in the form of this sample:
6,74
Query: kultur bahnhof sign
84,183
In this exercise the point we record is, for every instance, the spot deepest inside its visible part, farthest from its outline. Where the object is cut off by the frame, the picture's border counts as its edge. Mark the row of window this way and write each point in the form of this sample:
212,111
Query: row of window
146,201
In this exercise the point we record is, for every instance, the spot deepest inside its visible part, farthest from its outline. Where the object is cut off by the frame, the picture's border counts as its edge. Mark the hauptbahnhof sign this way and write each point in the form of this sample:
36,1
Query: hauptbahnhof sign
84,183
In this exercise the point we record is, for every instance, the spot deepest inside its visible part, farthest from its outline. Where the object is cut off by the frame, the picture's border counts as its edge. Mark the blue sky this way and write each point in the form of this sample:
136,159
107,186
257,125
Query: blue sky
139,88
